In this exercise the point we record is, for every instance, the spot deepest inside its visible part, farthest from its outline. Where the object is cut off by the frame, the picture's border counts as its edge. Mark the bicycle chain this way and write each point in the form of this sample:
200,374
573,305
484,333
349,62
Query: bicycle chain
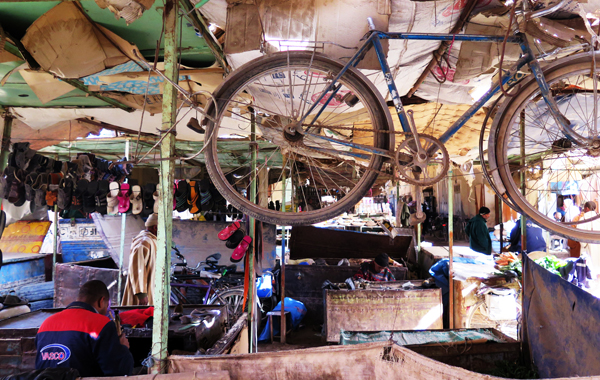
366,130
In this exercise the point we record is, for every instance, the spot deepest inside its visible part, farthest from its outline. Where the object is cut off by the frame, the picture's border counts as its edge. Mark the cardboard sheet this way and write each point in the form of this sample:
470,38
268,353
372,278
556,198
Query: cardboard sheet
45,86
64,42
130,10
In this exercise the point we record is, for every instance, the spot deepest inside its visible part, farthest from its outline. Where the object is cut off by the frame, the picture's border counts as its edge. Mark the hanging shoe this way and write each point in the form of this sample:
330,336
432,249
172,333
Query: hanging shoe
240,251
65,192
271,205
39,187
147,192
206,201
29,181
112,200
123,197
89,197
235,238
137,205
193,198
229,230
78,191
181,196
100,197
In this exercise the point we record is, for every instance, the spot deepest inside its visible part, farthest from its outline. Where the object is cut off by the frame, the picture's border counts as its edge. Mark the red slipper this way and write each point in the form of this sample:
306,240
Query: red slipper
240,251
229,230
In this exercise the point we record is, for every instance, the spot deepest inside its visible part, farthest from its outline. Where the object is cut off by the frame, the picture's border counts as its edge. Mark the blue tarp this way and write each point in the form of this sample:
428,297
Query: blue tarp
297,311
561,324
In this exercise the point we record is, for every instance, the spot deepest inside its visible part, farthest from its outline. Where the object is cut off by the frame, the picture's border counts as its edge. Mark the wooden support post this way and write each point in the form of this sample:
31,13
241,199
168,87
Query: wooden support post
5,145
165,203
122,246
451,247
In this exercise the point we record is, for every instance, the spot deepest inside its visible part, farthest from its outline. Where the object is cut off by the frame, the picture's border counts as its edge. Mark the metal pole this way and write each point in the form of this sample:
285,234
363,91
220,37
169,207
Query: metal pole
165,204
282,326
122,249
55,240
252,227
523,178
501,223
450,247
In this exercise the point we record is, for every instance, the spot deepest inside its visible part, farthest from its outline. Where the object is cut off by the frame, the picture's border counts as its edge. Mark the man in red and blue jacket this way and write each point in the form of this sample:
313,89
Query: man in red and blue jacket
84,338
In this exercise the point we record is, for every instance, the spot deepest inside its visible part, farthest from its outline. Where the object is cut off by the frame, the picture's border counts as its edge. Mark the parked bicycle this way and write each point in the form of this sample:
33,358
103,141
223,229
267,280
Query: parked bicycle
497,307
208,283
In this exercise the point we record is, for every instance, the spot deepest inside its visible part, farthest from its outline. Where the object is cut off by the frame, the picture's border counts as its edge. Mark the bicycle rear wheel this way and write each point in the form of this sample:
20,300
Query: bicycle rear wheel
233,298
316,172
550,162
479,317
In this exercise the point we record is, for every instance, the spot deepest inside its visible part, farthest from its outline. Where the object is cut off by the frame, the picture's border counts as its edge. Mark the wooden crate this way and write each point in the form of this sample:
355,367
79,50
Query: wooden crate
381,310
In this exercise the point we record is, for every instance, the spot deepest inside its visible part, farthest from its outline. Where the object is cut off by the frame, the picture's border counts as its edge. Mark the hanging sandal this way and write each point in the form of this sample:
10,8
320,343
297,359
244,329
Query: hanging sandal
235,239
229,230
181,196
100,197
240,251
112,200
136,200
123,197
193,198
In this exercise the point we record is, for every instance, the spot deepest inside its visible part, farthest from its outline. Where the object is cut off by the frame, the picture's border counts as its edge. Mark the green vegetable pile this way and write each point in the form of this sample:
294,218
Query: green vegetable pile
551,263
515,266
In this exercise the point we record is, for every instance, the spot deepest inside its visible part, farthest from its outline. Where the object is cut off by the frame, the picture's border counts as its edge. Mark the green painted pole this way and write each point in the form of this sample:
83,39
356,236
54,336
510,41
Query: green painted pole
5,145
122,248
165,205
251,251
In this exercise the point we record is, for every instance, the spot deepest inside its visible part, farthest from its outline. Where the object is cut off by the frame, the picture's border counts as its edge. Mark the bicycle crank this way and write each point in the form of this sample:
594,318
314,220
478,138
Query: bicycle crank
425,166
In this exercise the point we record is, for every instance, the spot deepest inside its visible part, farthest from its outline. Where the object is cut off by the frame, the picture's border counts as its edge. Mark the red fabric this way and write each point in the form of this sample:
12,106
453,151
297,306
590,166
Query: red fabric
136,317
75,320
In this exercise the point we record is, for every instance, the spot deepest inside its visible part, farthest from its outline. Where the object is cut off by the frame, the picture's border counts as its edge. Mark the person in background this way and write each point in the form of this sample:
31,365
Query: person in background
140,277
82,337
477,231
376,269
591,250
535,239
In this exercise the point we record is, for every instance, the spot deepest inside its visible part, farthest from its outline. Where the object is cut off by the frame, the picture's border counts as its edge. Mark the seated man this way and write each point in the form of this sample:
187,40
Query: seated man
82,337
376,270
535,239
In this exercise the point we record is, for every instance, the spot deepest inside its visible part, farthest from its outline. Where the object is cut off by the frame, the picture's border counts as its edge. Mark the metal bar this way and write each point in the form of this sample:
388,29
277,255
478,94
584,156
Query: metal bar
523,178
446,37
165,204
54,241
252,320
122,247
211,40
511,77
282,326
464,15
79,85
380,152
387,74
500,212
451,247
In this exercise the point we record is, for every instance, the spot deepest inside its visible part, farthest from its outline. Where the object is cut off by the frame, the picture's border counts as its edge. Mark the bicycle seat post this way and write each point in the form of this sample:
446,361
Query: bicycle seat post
371,23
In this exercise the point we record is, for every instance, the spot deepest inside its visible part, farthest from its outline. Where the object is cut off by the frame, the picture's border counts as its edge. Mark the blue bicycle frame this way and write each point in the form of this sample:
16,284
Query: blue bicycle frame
510,76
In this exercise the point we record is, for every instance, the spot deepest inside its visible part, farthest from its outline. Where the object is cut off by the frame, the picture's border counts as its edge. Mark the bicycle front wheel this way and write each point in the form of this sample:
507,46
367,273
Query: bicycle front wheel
310,165
528,143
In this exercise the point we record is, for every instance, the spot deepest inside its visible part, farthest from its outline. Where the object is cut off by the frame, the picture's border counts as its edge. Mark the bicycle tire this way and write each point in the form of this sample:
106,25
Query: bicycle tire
566,78
478,318
346,177
233,298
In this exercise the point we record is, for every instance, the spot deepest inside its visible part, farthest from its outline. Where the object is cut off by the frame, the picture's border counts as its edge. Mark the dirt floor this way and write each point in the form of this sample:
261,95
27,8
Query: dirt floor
303,337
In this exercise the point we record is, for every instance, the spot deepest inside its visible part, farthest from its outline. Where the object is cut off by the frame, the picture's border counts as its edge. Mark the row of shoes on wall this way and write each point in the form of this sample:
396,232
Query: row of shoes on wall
82,183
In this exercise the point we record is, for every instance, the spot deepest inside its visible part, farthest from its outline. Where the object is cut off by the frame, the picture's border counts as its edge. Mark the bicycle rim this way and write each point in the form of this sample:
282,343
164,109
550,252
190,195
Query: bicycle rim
233,298
550,163
316,177
479,317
